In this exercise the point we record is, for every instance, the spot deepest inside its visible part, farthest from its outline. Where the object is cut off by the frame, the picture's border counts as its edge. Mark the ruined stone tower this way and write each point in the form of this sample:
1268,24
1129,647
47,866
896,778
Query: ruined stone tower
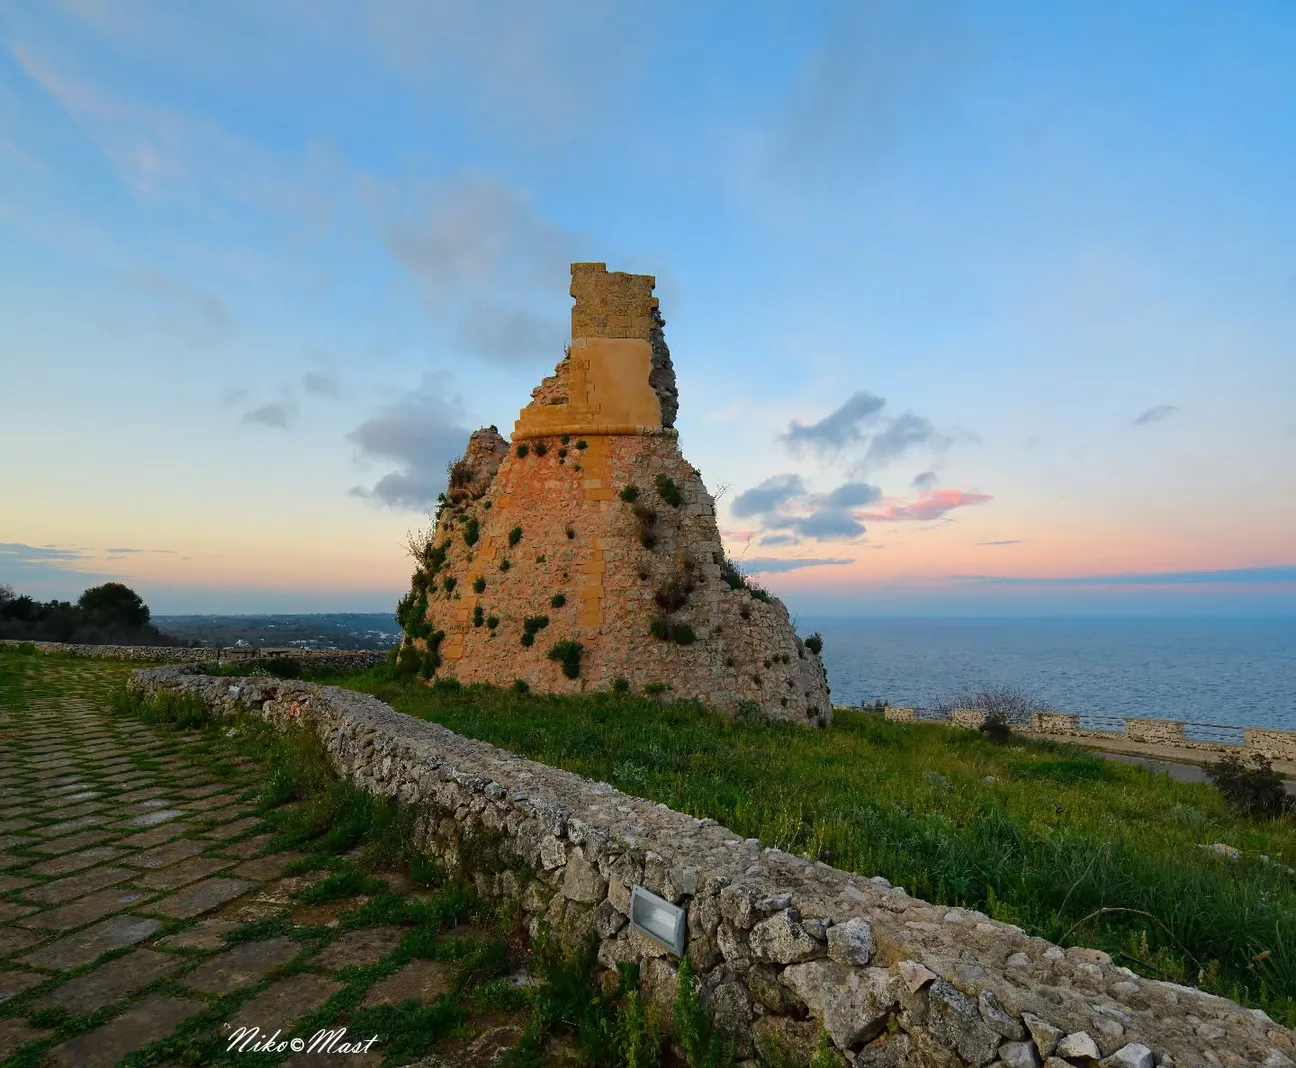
586,553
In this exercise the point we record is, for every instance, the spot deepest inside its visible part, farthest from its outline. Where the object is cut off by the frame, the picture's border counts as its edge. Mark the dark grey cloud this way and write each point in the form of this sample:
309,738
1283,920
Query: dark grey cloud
44,571
824,524
924,480
277,416
421,434
491,268
768,496
840,428
782,504
862,424
852,495
1155,414
773,566
904,433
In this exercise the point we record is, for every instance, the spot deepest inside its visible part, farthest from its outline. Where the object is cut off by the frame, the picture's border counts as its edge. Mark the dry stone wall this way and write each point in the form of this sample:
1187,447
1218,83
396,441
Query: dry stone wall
318,659
592,530
786,949
1270,744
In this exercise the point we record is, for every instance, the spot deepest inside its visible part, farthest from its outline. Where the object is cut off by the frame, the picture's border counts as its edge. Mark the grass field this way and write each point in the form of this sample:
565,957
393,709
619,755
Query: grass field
1042,835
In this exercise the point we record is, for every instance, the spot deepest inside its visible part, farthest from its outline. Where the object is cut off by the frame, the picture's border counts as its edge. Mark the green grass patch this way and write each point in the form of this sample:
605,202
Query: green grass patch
1056,837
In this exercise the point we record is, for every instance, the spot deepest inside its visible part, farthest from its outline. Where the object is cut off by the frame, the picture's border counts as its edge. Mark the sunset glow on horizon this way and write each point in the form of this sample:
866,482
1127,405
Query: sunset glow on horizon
974,309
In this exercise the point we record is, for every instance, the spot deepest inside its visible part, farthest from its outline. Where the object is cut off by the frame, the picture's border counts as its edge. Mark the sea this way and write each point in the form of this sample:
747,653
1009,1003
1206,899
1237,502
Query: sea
1230,671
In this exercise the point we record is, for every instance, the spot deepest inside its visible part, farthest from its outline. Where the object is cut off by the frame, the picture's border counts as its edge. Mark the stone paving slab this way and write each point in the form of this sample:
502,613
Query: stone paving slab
265,868
13,983
113,981
161,856
85,910
151,1020
357,949
165,833
200,898
71,862
73,886
187,871
73,841
283,1003
79,949
14,939
14,1034
242,966
420,980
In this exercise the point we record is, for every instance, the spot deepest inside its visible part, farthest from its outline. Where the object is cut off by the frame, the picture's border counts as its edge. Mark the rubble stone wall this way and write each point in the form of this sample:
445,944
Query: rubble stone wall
1270,744
319,659
785,948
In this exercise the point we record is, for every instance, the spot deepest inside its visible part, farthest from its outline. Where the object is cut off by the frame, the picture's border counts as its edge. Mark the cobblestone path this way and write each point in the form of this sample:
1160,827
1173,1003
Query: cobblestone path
144,913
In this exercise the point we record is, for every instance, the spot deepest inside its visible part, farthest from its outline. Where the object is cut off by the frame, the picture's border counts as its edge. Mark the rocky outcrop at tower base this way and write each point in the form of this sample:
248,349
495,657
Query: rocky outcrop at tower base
590,558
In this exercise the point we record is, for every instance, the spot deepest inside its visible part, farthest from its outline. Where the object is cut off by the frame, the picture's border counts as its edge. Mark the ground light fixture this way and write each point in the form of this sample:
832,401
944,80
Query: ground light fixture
658,919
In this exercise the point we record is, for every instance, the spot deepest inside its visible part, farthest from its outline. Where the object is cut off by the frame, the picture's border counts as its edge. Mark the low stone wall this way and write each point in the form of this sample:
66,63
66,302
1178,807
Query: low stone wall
1270,744
317,659
784,948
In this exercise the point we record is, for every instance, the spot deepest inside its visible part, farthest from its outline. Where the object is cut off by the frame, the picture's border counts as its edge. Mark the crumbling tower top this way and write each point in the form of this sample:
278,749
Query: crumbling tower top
617,378
616,305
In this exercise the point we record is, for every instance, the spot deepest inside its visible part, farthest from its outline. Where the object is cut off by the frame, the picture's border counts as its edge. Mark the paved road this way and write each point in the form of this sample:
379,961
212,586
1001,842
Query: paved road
130,875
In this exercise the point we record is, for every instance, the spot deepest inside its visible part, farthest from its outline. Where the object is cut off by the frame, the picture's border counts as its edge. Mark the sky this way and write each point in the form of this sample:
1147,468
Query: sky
981,308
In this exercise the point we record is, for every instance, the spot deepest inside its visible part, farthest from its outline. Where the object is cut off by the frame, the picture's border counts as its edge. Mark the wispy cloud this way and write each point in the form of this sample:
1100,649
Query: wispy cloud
769,565
924,480
768,496
486,260
422,433
1006,541
1155,414
862,425
320,384
276,416
201,317
1246,576
782,503
929,506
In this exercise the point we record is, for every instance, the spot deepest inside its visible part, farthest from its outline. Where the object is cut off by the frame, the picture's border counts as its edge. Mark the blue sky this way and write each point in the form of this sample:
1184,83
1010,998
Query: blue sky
983,307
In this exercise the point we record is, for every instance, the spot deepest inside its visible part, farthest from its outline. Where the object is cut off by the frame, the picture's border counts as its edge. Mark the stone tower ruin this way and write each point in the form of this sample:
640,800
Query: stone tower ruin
585,554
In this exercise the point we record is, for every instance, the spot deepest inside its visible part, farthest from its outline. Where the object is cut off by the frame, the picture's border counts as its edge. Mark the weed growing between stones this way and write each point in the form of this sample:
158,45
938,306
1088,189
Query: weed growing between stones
557,600
515,536
815,643
522,451
630,494
478,616
505,564
668,491
471,530
647,518
449,583
568,654
582,445
479,584
531,626
492,622
541,448
621,685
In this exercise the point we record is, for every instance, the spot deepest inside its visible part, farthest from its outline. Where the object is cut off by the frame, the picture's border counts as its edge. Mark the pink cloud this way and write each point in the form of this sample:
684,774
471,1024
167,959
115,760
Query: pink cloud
928,506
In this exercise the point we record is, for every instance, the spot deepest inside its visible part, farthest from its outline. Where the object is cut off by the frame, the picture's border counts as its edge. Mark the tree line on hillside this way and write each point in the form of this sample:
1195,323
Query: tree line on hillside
111,614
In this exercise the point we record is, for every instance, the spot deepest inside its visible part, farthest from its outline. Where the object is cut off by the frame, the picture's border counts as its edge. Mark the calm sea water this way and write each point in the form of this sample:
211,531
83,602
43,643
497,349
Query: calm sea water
1231,671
